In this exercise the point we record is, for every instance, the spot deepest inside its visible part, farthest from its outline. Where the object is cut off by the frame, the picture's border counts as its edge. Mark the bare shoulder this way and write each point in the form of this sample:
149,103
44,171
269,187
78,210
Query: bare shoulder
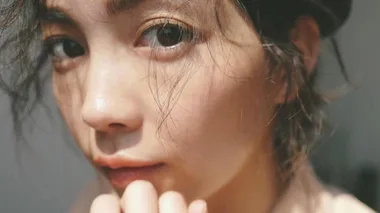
346,203
307,194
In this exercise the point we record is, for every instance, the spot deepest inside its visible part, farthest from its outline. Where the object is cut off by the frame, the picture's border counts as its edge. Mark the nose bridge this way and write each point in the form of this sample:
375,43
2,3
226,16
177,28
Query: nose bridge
109,102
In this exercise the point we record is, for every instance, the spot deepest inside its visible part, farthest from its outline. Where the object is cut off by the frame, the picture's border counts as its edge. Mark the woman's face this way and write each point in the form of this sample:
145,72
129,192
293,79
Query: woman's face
162,85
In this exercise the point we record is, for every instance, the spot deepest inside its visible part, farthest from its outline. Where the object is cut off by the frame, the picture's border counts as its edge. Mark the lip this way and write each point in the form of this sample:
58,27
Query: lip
117,162
121,177
121,171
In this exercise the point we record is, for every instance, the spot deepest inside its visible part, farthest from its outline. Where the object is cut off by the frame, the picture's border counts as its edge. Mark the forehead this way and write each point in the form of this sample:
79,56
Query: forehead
85,13
115,6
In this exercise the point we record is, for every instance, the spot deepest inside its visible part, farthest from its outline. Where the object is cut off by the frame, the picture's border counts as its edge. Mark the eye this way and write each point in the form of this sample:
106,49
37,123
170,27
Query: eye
64,48
166,35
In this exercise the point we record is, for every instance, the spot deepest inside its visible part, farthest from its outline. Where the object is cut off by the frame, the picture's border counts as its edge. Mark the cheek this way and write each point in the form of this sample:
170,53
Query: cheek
221,118
69,98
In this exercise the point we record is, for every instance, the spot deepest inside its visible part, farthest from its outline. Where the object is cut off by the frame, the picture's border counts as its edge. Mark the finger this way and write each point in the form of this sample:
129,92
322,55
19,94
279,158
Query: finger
105,204
140,197
172,202
198,206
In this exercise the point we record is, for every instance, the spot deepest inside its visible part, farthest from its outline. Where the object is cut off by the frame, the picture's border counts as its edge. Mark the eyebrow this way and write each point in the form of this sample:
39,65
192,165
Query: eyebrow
116,6
58,15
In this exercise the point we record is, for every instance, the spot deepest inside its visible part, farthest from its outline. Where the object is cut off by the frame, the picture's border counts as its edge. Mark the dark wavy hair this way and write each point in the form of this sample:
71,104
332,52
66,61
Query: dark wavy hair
297,122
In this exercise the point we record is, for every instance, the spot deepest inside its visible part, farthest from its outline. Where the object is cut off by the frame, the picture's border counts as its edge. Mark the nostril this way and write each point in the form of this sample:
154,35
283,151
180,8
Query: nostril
117,125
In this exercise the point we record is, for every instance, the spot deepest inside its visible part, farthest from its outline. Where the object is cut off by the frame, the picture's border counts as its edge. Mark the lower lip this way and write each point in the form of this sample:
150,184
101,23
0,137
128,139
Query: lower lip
120,178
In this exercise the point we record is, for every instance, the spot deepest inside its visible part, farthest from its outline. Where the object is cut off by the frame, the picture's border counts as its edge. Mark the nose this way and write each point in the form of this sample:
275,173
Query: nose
106,114
109,103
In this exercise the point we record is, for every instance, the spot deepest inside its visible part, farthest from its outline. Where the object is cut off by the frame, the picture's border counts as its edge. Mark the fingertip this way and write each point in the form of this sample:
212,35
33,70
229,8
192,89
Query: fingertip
138,186
198,206
140,196
171,195
172,202
105,203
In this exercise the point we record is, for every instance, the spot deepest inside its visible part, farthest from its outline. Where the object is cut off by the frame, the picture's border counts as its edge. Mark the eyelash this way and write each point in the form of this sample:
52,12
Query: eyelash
148,40
51,43
184,31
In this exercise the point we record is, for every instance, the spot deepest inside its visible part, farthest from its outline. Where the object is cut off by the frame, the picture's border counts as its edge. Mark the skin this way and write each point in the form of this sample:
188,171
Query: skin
216,140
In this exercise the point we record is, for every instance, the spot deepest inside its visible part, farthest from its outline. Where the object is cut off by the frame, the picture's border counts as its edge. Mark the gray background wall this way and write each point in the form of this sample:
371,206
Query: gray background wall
355,117
46,177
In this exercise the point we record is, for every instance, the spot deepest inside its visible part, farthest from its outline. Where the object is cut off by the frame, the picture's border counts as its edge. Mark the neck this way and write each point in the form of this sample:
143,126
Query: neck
255,189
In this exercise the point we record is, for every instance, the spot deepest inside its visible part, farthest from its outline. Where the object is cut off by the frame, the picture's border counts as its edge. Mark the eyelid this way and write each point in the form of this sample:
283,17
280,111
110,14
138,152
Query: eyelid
199,35
50,41
61,64
161,21
53,39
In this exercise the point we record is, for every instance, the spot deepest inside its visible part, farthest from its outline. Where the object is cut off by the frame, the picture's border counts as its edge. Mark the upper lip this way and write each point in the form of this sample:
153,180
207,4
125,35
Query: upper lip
117,162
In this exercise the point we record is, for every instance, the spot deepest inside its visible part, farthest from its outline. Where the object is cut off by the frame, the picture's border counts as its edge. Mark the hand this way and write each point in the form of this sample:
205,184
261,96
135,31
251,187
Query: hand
141,197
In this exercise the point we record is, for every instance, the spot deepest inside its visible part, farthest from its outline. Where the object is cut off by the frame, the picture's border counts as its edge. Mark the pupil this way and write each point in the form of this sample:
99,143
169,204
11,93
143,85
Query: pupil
72,49
169,35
